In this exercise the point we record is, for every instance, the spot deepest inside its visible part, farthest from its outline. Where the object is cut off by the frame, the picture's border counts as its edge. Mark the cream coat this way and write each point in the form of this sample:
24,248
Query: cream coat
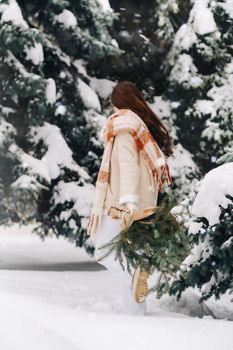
130,178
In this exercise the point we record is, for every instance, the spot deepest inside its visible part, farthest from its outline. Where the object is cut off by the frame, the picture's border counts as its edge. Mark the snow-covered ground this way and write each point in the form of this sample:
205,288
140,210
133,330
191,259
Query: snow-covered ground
54,296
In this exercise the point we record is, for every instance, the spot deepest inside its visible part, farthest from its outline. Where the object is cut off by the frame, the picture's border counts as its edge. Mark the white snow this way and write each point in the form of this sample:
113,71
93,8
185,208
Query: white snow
229,67
181,166
180,163
228,243
185,72
35,54
200,252
61,109
103,87
219,108
228,7
62,75
88,95
201,22
222,95
205,107
202,18
144,37
51,91
33,165
105,5
11,12
125,34
58,154
114,43
6,110
81,195
195,227
53,296
161,106
27,182
19,66
180,160
185,37
216,184
212,131
80,65
96,120
67,18
7,130
57,158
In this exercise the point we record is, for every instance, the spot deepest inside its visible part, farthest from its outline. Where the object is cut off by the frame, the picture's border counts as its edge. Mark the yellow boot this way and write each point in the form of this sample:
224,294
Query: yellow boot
140,285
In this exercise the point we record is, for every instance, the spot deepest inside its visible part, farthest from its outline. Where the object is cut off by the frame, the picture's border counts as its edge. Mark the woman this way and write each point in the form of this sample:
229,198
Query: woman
132,172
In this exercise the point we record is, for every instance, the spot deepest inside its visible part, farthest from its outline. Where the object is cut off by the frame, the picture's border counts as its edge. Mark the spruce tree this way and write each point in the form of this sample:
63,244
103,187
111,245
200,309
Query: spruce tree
51,111
199,68
138,28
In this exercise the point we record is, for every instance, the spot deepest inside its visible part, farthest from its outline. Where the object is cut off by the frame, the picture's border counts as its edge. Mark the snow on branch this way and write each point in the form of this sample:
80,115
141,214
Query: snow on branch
82,196
58,155
89,97
202,18
34,166
67,18
105,5
216,184
11,13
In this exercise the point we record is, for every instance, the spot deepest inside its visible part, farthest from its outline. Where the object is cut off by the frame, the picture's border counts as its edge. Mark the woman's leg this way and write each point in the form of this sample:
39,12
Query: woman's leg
110,228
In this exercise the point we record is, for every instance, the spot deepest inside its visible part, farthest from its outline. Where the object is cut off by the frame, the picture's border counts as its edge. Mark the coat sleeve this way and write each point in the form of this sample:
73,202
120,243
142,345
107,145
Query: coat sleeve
128,158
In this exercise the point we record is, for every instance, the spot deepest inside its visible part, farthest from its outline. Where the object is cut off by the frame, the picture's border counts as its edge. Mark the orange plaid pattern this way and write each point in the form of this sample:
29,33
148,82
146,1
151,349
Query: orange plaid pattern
103,176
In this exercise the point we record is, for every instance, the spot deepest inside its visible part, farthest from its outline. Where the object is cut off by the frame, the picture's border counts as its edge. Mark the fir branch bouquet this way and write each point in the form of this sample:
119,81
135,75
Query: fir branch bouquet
158,242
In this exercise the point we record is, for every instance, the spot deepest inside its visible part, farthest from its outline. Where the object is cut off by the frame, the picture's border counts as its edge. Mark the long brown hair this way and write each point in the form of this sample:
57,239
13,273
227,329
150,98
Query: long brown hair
126,95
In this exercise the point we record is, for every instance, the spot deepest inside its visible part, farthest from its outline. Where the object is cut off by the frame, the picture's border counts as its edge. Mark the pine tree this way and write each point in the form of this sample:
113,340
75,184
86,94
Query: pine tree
209,265
50,111
199,67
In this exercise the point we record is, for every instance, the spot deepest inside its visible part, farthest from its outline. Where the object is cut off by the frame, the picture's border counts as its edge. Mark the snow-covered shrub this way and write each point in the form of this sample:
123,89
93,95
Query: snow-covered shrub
210,264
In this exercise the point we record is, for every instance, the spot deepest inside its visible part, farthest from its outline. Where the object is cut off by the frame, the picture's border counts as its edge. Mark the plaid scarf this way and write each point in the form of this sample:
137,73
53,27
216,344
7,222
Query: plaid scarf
146,144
